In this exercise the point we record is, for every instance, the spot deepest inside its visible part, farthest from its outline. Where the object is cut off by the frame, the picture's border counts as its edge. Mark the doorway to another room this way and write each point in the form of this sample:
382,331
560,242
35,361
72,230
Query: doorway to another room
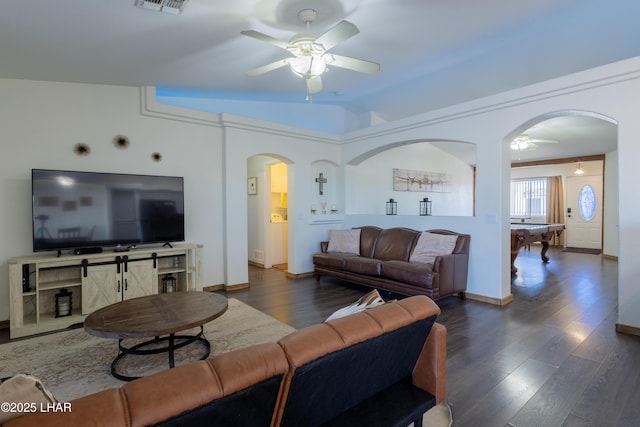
278,221
267,212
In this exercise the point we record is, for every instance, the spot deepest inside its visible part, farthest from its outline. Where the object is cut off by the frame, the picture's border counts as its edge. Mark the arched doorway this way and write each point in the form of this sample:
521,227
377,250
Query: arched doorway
570,151
268,211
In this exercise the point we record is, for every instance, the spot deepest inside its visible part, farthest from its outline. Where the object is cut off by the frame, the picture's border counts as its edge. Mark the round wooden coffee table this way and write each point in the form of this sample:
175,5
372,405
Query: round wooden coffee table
159,316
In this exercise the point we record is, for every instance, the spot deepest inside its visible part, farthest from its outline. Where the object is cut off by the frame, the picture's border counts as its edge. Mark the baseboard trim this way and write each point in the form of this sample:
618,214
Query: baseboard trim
4,324
495,301
236,287
256,264
626,329
299,275
213,288
612,257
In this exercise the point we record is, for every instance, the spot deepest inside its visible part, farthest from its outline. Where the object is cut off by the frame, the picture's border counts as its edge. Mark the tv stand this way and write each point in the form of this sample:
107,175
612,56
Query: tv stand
95,280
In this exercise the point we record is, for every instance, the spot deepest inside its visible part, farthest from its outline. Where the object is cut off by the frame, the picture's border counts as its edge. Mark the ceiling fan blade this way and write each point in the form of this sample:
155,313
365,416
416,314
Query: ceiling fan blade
543,141
526,138
314,84
267,68
354,64
265,38
337,34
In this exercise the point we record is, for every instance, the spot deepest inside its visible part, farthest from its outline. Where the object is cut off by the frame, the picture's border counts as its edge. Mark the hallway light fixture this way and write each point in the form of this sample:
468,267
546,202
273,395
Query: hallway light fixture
579,170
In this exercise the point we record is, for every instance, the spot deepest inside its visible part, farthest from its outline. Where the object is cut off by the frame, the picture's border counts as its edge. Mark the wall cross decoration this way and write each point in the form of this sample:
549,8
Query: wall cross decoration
321,180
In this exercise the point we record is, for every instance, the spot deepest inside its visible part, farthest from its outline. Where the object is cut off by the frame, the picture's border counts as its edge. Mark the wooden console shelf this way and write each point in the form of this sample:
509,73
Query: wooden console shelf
95,281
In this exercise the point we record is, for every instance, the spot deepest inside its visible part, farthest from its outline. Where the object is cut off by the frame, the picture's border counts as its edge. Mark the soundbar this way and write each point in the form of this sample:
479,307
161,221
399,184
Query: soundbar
84,251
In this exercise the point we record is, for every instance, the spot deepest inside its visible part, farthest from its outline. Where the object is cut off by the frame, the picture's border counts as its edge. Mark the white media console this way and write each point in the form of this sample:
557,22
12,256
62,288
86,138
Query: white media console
95,280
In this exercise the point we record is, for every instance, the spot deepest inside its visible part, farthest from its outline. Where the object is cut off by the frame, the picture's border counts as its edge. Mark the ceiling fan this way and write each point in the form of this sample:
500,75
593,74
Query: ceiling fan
525,142
310,53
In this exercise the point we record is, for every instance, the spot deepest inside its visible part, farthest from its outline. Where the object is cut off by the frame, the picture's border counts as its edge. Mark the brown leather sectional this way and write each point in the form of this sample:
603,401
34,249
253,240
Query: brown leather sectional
383,263
391,358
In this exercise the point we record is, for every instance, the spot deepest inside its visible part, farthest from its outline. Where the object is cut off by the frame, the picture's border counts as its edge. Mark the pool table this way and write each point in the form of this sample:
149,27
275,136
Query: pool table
526,233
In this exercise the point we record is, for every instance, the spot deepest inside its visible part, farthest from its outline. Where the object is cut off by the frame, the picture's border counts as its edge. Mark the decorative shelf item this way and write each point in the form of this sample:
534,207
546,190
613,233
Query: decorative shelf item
169,283
392,207
63,303
425,207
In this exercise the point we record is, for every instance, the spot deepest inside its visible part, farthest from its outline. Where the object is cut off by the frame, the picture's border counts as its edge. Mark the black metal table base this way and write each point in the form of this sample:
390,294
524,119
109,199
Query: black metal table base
174,342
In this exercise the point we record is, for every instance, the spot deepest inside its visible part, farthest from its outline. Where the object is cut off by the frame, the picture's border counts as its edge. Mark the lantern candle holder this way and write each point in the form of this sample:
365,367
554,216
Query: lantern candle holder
64,303
392,207
169,283
425,207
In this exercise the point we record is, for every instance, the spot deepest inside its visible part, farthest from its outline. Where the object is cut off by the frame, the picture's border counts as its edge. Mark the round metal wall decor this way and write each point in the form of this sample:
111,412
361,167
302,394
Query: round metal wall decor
156,157
82,149
121,141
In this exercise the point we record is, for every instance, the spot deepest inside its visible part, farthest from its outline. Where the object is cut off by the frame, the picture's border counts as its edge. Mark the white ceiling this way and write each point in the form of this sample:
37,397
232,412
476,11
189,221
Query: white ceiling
433,53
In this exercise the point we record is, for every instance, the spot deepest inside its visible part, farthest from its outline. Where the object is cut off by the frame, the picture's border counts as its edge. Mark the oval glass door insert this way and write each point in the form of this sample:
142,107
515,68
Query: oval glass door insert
587,202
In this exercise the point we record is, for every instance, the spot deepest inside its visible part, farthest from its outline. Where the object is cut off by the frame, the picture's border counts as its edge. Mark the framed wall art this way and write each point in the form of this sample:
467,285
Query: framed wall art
411,180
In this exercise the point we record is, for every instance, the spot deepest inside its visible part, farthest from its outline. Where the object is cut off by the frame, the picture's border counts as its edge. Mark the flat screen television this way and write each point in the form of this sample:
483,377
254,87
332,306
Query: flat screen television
89,209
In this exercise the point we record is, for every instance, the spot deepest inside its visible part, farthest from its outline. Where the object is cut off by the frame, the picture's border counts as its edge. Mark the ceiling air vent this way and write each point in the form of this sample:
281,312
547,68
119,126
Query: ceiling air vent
169,6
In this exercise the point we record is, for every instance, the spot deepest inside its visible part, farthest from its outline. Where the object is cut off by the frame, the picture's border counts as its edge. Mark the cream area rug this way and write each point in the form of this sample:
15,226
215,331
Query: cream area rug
73,363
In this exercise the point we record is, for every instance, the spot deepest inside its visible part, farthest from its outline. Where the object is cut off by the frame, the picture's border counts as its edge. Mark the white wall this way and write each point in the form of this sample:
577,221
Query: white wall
611,202
41,122
256,209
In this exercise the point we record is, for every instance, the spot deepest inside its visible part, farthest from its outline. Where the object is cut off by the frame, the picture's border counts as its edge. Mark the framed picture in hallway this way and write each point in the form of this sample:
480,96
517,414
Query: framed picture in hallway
252,185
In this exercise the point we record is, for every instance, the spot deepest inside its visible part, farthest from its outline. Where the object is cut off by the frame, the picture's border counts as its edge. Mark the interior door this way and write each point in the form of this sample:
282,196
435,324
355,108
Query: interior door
584,212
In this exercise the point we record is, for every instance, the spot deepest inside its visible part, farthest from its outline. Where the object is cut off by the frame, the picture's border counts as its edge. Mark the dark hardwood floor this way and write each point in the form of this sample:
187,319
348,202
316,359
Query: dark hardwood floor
550,358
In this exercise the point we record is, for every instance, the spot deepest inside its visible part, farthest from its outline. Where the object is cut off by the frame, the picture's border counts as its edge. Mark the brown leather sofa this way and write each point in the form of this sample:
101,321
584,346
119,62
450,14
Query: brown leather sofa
384,366
383,263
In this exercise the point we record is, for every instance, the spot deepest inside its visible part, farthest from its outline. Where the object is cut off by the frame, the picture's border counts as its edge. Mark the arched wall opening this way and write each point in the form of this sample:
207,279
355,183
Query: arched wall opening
268,210
581,150
440,170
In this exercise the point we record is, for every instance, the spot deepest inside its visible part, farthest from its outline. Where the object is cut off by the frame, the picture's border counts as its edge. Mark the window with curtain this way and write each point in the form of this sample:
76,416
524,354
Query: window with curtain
529,197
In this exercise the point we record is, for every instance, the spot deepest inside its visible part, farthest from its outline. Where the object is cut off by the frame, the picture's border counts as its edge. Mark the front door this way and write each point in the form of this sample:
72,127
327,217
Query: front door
584,212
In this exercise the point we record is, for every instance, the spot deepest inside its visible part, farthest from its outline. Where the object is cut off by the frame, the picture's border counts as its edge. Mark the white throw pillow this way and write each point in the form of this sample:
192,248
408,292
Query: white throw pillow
344,241
431,245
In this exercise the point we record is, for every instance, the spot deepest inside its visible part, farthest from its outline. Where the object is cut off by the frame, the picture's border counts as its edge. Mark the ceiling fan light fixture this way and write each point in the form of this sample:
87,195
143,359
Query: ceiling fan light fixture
307,66
309,58
519,144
